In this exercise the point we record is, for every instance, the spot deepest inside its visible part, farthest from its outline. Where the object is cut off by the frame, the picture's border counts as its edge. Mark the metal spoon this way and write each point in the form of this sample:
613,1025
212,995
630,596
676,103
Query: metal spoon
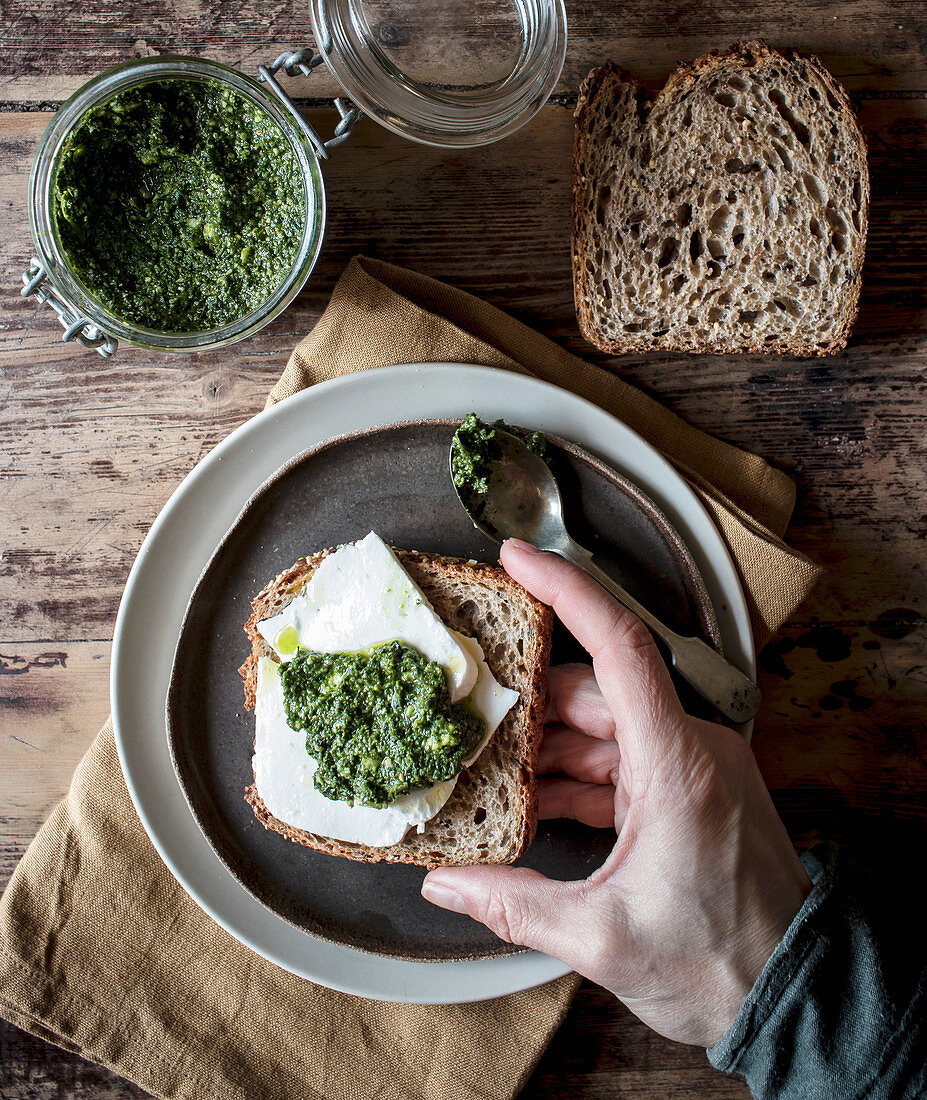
524,502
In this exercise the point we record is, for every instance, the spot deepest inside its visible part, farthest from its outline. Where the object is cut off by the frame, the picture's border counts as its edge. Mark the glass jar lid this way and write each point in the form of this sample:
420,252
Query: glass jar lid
444,72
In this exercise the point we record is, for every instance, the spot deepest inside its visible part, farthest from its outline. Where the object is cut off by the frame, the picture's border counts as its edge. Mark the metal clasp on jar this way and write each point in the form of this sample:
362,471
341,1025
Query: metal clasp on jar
82,329
304,61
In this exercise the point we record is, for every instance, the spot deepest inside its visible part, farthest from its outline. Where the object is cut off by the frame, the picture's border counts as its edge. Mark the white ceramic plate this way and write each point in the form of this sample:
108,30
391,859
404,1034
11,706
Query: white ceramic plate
181,542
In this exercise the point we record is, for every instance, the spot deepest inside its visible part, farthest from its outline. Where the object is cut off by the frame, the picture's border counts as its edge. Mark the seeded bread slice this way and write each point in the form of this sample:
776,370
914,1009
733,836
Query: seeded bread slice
492,815
728,216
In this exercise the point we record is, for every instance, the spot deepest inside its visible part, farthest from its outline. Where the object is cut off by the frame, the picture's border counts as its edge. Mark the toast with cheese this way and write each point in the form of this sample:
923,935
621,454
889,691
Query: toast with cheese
491,816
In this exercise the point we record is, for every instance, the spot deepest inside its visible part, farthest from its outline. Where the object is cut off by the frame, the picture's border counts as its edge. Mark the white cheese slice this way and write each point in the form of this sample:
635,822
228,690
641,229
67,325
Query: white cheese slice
489,699
360,596
283,768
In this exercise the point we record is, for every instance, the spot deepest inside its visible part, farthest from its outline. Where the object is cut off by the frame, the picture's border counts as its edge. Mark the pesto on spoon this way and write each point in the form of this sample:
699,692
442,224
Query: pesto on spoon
517,496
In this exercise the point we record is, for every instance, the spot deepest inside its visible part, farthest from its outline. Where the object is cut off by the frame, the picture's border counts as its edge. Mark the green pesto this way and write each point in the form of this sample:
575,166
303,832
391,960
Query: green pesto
179,204
474,448
379,723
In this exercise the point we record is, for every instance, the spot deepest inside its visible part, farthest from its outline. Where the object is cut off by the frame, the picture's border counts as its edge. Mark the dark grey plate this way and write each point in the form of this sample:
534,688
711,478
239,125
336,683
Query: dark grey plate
393,480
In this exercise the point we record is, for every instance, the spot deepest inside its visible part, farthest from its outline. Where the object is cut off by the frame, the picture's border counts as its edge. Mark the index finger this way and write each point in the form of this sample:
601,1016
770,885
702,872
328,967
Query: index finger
629,669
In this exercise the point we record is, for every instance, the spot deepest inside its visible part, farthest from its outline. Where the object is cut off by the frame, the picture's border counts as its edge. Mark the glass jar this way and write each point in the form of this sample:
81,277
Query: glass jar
442,73
52,278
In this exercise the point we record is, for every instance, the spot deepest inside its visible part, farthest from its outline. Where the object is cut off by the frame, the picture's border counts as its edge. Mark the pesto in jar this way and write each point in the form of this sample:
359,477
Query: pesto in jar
179,204
378,723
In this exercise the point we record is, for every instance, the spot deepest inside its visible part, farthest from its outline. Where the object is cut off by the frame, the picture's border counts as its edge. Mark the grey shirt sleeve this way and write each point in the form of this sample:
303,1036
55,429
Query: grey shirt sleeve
840,1009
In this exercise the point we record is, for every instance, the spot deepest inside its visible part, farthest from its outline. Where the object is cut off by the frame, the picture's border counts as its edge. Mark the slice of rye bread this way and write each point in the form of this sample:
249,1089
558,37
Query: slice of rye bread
728,216
492,815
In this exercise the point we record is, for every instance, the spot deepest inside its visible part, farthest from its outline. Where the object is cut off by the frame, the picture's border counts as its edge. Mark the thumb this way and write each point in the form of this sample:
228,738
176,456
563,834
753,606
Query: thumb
521,906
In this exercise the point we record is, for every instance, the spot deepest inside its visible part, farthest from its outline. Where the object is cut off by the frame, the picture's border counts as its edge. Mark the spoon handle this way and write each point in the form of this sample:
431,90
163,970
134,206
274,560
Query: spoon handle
735,695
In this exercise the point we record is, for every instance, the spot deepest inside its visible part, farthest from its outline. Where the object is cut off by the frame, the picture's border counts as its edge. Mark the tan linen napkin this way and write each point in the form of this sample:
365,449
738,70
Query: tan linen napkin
102,952
380,315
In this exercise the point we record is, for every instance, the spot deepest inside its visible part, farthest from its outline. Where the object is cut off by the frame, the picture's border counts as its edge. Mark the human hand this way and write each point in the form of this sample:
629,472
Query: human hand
702,882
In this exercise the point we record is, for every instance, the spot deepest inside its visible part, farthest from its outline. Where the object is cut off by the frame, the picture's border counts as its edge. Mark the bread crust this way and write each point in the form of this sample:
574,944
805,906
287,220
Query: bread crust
609,80
510,758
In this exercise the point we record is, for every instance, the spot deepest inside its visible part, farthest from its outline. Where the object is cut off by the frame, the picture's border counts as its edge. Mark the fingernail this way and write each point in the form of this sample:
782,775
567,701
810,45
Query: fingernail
443,896
524,547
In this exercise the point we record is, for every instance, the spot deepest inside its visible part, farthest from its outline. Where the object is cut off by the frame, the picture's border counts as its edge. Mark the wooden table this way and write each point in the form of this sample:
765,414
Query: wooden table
91,450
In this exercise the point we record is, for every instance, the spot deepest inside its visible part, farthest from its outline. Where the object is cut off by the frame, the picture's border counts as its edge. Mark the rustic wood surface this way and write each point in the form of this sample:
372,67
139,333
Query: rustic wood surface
91,450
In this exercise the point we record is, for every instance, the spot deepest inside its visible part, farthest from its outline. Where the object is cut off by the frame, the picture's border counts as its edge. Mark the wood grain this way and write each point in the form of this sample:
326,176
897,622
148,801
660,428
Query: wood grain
51,50
90,451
